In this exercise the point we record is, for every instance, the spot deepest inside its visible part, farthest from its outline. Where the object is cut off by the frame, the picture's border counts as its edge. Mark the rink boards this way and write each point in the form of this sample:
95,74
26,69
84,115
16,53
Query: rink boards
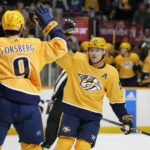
137,103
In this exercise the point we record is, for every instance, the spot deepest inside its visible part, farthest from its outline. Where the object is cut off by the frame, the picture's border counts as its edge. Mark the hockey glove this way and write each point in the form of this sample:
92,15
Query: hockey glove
45,19
127,124
68,27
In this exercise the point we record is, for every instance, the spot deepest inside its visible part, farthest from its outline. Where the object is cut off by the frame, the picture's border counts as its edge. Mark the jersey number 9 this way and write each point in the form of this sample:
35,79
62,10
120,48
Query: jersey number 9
21,67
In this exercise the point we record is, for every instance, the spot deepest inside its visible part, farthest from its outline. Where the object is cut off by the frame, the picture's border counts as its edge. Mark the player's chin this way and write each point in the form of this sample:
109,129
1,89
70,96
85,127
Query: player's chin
94,61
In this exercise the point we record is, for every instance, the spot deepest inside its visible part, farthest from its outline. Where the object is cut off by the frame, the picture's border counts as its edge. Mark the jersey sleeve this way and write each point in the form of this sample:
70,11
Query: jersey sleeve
52,50
66,61
113,88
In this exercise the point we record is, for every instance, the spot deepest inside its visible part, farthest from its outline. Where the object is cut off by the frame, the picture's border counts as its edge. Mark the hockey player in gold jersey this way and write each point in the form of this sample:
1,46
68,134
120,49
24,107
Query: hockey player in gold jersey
88,81
108,57
146,73
84,46
21,61
128,63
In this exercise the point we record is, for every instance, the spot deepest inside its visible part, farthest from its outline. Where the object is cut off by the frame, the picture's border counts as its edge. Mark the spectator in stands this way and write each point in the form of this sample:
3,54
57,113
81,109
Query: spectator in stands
145,44
31,22
75,5
128,64
126,9
146,37
147,21
141,14
120,25
135,33
115,6
137,47
20,7
60,6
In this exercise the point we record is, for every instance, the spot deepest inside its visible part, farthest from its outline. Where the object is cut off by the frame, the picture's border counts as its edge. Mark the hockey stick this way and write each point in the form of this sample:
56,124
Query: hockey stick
120,124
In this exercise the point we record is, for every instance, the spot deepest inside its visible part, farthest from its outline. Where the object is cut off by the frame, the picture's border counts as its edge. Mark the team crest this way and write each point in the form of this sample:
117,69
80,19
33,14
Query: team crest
128,65
89,83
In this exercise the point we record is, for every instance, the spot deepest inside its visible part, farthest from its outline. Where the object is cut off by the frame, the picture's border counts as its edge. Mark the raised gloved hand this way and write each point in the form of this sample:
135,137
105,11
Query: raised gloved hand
45,19
68,27
127,124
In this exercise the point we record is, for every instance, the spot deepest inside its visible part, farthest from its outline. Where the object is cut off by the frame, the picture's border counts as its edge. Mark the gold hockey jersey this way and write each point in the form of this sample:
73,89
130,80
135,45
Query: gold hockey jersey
86,85
21,61
125,65
146,69
108,59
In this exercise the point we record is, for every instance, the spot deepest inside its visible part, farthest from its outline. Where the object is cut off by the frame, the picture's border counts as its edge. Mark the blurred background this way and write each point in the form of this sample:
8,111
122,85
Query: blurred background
116,20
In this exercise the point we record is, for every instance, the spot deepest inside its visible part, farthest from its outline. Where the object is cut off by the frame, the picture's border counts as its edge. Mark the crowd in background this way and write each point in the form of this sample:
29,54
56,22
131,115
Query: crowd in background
134,11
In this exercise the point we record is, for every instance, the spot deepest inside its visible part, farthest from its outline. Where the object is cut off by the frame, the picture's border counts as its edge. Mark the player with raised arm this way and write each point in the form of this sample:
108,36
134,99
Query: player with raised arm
88,79
21,61
109,54
55,113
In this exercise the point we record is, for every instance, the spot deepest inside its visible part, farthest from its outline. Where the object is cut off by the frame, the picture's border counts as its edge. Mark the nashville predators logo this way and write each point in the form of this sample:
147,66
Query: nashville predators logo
89,83
128,65
66,129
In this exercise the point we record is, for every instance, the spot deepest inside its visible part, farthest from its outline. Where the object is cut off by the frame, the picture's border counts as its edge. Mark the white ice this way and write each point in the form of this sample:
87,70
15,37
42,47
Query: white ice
104,142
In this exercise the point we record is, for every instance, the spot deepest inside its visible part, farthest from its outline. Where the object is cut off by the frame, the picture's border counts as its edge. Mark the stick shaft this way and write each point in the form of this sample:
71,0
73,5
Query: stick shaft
120,124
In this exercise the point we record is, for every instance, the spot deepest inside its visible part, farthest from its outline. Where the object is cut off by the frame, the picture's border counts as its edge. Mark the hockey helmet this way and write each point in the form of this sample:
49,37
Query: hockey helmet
125,45
12,20
98,42
84,45
109,46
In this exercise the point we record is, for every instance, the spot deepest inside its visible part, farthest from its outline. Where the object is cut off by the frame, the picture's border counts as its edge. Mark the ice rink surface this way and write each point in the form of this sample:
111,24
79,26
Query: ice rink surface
104,142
